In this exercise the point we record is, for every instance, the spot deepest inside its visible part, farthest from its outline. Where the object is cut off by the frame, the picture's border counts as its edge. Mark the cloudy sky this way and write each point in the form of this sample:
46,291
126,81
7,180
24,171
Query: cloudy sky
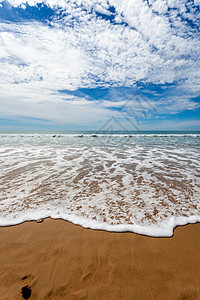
77,64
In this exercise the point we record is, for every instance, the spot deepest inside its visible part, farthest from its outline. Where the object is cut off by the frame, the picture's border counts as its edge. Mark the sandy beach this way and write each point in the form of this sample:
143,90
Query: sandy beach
60,260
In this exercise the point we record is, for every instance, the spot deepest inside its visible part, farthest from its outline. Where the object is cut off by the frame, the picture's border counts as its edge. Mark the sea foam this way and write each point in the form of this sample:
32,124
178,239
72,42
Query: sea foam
143,184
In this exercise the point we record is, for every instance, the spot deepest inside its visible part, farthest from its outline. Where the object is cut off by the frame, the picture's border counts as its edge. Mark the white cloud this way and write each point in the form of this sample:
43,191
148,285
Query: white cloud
37,60
170,125
28,101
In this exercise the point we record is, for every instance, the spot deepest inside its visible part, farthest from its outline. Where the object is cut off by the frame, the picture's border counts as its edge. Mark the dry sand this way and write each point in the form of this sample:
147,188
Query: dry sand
64,261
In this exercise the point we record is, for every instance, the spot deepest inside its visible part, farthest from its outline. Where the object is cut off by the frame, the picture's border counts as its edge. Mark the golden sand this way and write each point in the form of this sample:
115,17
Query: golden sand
60,260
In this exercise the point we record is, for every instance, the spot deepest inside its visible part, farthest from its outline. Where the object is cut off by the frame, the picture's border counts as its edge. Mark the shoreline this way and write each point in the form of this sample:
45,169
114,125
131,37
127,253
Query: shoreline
41,220
163,230
60,260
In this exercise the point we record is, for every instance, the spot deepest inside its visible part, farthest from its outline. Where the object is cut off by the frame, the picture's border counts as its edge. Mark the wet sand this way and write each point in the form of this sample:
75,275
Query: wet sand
60,260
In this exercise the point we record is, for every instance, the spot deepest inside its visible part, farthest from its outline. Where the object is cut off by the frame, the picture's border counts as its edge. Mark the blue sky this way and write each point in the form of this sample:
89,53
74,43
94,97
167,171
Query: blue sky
77,64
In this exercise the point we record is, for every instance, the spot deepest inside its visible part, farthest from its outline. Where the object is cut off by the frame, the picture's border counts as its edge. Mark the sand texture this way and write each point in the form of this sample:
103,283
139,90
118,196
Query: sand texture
60,260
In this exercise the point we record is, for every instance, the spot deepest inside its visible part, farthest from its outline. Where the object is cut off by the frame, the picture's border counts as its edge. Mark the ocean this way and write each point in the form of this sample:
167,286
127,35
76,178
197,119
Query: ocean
142,182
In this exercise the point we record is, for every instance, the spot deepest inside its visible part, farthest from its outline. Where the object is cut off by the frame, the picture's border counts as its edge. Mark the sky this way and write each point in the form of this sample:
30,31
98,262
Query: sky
88,64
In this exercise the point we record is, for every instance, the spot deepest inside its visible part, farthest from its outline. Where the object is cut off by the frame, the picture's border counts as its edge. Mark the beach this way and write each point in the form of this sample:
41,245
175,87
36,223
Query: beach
60,260
99,150
108,206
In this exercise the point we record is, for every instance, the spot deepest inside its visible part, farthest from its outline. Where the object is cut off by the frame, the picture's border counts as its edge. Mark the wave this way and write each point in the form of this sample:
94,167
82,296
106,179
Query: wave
95,135
146,190
164,229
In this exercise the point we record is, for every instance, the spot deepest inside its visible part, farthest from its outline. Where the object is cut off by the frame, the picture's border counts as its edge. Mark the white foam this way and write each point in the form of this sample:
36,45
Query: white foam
165,229
135,187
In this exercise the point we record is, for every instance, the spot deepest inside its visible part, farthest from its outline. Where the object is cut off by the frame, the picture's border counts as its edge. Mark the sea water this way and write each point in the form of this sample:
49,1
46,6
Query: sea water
143,182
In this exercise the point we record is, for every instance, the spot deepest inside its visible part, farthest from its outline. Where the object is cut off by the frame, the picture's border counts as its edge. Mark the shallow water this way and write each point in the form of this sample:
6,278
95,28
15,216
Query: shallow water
145,183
